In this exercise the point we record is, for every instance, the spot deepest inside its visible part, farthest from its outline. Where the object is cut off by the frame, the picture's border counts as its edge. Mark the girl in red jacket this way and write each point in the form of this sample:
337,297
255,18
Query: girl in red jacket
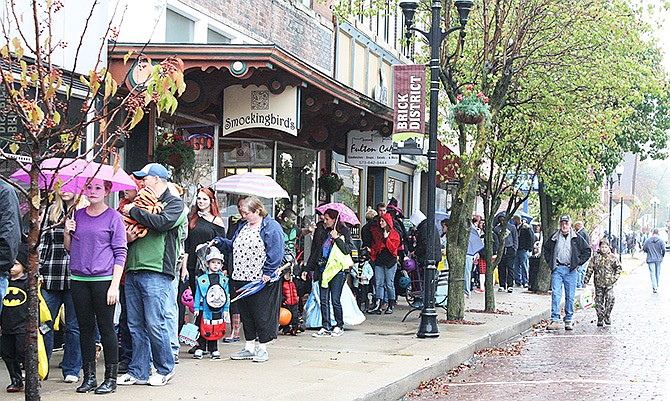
384,255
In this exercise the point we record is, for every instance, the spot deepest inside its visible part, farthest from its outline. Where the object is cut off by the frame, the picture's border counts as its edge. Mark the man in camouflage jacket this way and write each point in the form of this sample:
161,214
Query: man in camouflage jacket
606,269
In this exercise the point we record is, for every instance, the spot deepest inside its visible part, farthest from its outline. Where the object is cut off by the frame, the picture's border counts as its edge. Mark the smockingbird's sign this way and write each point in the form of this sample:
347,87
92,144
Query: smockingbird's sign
256,107
369,149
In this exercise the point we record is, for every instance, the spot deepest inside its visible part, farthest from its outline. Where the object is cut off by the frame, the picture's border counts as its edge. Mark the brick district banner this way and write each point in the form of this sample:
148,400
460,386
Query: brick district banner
409,101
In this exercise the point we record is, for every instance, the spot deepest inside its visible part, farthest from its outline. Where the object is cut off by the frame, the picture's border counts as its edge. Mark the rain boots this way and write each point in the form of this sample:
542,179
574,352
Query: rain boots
109,385
89,383
16,384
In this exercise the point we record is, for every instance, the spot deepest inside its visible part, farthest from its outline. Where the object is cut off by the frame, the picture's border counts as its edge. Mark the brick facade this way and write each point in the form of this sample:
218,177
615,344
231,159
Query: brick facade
297,29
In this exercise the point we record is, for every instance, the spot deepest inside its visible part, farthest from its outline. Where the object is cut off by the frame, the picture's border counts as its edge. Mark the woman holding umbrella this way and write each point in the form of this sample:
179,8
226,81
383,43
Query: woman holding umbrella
96,239
257,249
338,235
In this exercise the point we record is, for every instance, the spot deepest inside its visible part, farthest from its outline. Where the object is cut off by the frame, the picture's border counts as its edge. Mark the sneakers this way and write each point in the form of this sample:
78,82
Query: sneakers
553,326
389,310
197,354
608,321
600,323
243,355
510,290
216,355
338,331
128,380
71,379
324,333
500,289
568,325
261,356
479,291
159,380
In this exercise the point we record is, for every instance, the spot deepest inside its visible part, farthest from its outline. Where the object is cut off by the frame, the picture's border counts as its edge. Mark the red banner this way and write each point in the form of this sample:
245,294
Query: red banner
409,104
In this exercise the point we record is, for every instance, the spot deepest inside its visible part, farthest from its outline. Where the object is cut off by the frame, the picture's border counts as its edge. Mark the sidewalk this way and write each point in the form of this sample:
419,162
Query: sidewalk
381,359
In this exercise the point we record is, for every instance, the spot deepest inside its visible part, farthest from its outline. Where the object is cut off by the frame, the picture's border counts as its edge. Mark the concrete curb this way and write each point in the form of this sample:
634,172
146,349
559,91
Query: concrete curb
398,389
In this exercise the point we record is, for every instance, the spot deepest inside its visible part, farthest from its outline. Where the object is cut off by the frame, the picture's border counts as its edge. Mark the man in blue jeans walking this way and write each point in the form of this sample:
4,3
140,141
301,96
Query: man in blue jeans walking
565,251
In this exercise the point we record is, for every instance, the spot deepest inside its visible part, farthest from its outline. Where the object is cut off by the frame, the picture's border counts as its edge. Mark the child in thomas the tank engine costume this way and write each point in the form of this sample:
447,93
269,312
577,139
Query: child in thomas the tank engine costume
211,303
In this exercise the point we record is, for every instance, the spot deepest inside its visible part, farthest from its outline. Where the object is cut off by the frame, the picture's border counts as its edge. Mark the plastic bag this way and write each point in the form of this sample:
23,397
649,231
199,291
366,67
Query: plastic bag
189,334
351,313
42,360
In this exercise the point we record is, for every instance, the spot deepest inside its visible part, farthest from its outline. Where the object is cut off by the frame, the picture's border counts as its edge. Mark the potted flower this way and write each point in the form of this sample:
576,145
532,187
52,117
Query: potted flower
172,150
471,108
330,183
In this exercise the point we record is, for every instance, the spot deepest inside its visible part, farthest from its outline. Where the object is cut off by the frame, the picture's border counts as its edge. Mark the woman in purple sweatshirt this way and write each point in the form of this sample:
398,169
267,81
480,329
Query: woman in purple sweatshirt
96,239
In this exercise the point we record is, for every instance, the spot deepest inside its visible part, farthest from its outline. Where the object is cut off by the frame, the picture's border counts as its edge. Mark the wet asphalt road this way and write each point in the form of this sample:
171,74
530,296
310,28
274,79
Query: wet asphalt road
629,360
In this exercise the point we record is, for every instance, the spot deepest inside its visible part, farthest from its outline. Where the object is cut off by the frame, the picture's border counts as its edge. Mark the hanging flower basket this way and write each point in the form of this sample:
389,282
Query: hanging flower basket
471,108
462,118
175,160
330,183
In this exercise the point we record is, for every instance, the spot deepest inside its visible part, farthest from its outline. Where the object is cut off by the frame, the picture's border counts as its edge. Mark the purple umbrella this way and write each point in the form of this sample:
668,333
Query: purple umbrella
254,286
346,215
74,174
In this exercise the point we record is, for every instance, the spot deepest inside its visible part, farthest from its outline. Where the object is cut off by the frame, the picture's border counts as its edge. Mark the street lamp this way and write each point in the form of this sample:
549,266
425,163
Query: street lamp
428,323
619,173
654,205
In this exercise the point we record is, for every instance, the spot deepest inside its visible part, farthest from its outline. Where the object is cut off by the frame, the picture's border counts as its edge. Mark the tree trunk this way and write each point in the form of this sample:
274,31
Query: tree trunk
32,384
543,279
458,236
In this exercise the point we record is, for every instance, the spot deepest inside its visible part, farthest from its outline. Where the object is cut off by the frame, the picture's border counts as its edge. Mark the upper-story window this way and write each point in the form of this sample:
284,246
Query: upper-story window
179,29
216,37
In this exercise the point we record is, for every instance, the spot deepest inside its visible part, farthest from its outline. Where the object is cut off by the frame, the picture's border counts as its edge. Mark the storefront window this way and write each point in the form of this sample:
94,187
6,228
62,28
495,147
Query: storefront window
296,173
350,194
396,189
238,157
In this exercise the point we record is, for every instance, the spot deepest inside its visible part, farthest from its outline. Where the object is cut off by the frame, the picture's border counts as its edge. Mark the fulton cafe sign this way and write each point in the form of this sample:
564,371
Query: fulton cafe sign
409,106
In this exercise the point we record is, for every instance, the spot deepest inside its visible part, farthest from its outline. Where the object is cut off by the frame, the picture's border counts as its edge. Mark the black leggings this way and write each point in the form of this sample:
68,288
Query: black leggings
90,303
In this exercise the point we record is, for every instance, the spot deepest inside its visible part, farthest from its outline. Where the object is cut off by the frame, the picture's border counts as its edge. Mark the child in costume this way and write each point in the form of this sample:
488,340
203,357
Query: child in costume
211,303
290,301
606,269
13,320
362,274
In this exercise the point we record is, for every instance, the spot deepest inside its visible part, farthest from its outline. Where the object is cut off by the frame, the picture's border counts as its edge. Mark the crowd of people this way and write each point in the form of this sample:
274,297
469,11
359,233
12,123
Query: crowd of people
153,254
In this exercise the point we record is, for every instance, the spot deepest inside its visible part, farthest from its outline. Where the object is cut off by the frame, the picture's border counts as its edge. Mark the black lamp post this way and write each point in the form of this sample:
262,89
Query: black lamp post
428,323
619,172
654,205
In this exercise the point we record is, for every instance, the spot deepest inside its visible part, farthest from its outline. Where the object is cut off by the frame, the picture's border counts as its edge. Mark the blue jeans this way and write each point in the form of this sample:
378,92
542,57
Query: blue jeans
581,274
521,267
4,283
561,277
146,297
172,314
654,273
469,260
125,341
384,287
334,292
71,363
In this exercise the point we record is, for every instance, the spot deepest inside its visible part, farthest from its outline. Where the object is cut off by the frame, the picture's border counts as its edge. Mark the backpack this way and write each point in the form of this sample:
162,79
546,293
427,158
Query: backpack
216,299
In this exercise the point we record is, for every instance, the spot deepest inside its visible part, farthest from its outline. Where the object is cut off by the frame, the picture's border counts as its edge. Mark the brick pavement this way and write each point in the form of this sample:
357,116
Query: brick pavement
626,361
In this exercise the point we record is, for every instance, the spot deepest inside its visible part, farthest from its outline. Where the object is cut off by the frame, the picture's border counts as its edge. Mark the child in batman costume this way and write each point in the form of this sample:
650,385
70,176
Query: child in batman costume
211,305
13,320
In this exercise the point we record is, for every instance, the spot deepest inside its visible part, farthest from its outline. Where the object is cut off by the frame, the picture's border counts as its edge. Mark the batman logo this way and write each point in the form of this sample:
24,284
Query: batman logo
15,297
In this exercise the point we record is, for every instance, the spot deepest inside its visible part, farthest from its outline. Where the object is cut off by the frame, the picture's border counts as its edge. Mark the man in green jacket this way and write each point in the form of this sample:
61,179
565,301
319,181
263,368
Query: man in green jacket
150,270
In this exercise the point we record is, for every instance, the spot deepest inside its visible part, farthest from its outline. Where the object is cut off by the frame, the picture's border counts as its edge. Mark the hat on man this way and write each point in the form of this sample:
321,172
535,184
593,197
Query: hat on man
565,217
152,169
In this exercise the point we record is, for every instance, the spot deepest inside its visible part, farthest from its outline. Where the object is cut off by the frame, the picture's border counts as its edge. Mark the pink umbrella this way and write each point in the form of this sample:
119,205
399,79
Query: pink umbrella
75,173
346,215
251,184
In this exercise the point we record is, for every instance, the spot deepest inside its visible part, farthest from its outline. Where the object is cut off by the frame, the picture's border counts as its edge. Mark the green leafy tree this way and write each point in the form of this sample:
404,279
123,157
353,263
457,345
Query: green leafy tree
53,125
